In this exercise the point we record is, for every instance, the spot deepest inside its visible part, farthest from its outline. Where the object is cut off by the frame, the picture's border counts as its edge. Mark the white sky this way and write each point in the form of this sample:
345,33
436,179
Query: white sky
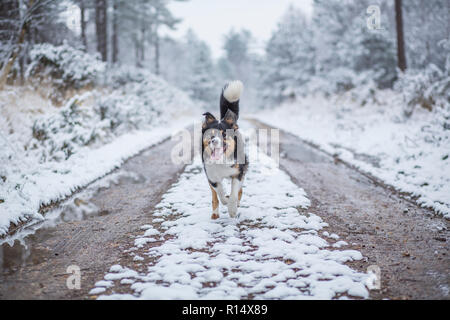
211,19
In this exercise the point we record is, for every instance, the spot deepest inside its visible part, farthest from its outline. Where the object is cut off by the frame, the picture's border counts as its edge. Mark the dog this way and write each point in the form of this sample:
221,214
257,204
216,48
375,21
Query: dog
223,150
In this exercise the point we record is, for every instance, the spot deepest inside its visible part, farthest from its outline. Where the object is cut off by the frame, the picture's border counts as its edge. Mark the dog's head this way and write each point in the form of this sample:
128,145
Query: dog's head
219,141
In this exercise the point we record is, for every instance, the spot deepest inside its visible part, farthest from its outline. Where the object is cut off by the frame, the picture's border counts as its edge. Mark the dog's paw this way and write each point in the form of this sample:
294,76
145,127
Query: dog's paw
215,216
232,209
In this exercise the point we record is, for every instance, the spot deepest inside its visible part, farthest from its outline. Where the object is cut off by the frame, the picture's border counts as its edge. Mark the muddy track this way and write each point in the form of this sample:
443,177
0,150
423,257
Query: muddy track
405,241
93,244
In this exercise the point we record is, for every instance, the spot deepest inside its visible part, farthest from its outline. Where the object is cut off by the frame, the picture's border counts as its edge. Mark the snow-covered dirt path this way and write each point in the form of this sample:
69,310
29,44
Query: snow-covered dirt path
409,154
410,247
276,249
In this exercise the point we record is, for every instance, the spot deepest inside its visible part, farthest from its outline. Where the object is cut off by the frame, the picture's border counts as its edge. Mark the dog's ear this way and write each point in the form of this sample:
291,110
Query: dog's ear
209,118
230,119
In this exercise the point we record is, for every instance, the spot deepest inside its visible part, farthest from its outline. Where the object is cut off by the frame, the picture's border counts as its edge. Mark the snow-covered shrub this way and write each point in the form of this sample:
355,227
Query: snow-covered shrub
56,137
141,102
64,66
340,80
122,75
365,93
425,88
125,112
142,96
343,82
337,81
6,153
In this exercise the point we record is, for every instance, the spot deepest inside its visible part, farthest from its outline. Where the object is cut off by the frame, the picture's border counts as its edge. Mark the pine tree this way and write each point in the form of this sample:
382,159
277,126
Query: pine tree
373,52
240,62
237,52
199,81
426,26
289,56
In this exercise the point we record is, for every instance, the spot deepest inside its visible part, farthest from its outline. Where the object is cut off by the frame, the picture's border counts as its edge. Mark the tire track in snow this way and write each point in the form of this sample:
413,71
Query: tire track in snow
272,251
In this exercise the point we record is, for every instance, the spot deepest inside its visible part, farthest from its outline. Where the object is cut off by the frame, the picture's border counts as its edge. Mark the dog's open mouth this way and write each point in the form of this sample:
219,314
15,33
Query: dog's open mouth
217,153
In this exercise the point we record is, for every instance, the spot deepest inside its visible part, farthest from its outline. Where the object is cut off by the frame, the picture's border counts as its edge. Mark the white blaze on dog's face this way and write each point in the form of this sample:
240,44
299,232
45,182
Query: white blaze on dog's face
215,145
218,140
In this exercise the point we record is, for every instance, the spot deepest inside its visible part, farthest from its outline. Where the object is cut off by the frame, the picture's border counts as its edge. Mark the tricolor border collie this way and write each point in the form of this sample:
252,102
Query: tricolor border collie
223,151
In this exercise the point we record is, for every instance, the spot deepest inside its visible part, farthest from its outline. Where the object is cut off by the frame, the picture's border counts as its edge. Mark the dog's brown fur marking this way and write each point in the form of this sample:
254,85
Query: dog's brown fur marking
231,145
215,204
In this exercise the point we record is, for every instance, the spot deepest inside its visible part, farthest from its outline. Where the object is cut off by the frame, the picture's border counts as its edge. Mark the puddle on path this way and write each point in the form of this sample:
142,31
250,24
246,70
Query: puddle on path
301,152
26,247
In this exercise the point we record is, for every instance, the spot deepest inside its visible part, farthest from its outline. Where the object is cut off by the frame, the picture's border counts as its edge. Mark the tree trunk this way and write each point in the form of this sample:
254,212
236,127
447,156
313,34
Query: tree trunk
136,51
115,45
400,37
16,51
83,24
143,33
22,68
101,28
156,50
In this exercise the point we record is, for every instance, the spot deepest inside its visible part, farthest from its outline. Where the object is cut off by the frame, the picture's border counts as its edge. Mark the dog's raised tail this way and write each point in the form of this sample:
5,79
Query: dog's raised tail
229,99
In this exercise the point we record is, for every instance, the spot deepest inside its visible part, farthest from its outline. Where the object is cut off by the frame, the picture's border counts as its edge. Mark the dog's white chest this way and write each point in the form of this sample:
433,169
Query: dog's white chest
218,172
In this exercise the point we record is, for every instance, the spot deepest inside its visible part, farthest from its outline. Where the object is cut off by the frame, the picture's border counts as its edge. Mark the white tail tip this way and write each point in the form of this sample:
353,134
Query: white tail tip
233,90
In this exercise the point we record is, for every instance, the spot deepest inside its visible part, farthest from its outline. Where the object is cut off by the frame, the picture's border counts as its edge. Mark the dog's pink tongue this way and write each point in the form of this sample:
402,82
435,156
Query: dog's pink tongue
215,155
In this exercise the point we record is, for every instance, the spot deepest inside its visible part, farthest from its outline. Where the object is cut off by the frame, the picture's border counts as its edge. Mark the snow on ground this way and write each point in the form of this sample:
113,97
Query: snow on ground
47,153
77,208
273,250
411,154
57,181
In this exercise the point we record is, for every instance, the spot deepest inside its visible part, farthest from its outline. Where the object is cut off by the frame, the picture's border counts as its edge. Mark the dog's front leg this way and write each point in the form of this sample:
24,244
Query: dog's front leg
221,193
239,197
234,195
215,204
